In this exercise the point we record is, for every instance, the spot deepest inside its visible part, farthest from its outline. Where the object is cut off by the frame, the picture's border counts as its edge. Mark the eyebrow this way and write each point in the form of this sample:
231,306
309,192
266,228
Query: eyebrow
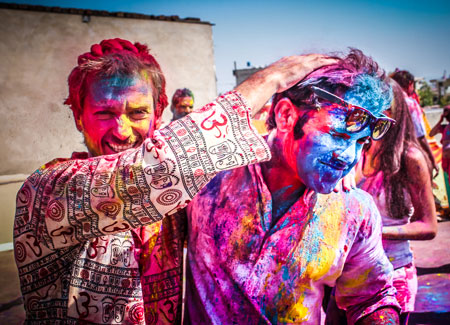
102,107
134,108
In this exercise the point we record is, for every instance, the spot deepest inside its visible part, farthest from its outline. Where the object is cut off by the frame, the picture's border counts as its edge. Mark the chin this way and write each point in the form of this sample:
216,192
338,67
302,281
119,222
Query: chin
324,187
325,190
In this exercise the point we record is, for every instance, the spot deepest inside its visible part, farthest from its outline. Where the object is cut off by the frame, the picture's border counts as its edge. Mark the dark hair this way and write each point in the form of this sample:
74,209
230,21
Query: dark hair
392,154
180,93
112,57
404,78
446,113
355,72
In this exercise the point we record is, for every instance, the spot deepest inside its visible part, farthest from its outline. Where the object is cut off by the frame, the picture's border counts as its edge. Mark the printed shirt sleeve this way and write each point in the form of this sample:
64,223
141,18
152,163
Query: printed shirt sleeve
73,201
366,281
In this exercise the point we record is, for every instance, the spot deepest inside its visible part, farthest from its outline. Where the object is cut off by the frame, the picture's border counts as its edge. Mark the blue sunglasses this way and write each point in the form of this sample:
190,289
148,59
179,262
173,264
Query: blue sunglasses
358,117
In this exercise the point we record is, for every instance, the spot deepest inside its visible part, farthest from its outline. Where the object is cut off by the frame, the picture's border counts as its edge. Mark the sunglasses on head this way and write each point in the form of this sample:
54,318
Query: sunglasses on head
358,117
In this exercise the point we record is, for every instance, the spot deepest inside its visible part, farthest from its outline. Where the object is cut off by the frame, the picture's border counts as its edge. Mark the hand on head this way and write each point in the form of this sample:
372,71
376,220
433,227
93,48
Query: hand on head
280,76
290,70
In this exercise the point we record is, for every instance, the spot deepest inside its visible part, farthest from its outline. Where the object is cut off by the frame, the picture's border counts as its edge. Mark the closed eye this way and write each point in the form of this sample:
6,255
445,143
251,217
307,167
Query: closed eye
365,140
139,114
103,115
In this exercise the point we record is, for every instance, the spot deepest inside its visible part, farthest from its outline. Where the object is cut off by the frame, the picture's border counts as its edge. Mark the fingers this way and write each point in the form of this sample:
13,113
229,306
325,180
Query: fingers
338,187
345,185
279,76
348,183
293,69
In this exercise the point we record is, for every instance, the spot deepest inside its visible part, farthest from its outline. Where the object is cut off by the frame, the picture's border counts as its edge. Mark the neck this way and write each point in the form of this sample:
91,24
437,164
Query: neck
282,181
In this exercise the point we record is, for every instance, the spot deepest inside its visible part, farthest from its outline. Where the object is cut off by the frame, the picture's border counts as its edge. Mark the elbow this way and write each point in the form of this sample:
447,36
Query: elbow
433,232
430,233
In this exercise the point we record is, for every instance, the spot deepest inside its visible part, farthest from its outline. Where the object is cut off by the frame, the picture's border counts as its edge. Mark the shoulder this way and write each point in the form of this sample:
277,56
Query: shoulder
226,180
354,196
445,129
355,203
354,212
414,155
57,161
416,163
411,102
228,190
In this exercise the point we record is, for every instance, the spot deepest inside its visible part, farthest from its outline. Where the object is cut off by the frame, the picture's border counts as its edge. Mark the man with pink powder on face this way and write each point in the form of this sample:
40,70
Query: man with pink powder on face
95,236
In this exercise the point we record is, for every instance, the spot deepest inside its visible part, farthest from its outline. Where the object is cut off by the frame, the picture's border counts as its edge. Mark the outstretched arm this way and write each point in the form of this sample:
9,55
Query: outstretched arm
424,221
76,200
438,127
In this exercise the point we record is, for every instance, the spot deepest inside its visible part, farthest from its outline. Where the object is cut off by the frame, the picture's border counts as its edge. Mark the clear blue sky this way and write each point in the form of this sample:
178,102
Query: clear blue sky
412,35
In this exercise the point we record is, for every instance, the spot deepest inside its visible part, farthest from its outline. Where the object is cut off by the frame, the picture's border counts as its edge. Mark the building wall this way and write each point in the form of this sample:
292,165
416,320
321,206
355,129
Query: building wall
243,74
39,49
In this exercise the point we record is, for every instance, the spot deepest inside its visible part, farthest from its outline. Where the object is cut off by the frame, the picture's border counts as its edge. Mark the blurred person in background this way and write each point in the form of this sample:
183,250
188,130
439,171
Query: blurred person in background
443,127
397,173
182,103
406,81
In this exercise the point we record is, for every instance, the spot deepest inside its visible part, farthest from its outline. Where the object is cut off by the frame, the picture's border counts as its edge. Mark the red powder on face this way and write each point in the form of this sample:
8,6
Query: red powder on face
324,128
344,136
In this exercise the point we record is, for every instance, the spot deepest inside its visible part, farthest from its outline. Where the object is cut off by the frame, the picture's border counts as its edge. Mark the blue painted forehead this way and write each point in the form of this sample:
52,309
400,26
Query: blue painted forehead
371,93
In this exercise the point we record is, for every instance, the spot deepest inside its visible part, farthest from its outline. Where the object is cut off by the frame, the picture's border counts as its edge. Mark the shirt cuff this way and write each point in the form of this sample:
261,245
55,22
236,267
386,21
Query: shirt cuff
388,300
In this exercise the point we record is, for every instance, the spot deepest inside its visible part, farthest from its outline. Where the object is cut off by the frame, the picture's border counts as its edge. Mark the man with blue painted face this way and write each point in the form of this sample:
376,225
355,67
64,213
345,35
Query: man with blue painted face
265,239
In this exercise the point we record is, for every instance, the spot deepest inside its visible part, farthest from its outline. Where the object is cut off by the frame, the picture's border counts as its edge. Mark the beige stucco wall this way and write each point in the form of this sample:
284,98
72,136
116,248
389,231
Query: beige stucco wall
8,191
39,49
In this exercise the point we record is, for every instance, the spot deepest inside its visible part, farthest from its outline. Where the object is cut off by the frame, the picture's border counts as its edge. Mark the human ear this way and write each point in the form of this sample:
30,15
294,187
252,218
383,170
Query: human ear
78,122
286,115
156,124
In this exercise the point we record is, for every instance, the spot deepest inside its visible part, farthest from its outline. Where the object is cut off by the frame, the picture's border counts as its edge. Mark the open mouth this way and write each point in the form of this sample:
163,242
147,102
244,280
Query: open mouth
120,147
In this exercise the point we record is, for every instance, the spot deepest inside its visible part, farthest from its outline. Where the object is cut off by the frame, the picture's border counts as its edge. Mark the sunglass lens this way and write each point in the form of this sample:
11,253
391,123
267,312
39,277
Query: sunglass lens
357,120
380,129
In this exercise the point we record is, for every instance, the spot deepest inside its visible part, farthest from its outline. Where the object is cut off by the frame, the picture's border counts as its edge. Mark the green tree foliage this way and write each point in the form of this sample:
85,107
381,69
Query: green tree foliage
425,94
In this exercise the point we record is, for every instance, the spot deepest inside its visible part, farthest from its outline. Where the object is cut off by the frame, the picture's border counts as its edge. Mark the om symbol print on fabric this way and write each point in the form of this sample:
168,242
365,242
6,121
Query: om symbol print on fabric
162,174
